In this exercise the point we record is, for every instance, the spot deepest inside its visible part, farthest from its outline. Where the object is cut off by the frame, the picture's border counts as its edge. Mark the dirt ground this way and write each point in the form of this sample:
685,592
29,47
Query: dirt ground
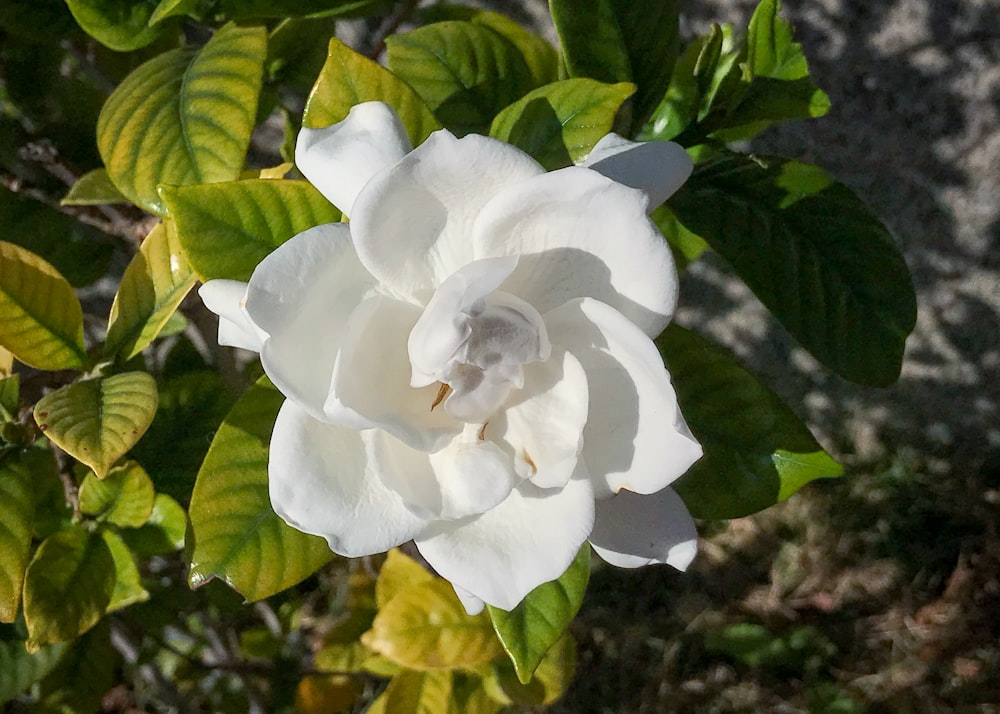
879,591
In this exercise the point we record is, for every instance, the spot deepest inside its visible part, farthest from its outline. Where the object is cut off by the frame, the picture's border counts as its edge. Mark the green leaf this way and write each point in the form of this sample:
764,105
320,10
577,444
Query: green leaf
192,405
52,512
152,288
550,680
123,497
20,669
757,452
172,8
237,536
98,420
226,229
348,78
162,533
813,253
68,586
465,72
244,9
121,25
184,119
591,38
78,252
41,321
18,472
541,58
10,396
558,124
621,41
530,629
128,587
94,188
426,627
84,675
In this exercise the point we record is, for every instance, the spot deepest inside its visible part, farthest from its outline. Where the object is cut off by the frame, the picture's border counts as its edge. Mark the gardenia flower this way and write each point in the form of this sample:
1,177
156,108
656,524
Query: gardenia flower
468,363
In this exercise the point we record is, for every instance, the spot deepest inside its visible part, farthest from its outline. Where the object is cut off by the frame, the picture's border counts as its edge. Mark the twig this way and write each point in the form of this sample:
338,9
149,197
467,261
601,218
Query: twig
389,26
129,649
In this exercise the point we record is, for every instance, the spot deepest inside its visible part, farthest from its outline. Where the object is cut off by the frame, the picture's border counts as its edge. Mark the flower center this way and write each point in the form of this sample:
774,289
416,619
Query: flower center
475,339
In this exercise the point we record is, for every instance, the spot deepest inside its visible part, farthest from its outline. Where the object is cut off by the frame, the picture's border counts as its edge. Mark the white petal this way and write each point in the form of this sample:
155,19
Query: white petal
472,604
580,234
544,422
321,482
444,325
340,159
302,295
412,224
633,530
635,437
657,168
529,539
465,478
225,299
372,376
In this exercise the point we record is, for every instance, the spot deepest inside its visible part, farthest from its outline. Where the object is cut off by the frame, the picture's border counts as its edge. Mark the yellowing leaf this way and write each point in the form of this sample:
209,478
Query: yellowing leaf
41,321
67,587
418,693
98,420
398,573
124,497
348,78
426,627
6,363
183,119
94,188
326,694
153,286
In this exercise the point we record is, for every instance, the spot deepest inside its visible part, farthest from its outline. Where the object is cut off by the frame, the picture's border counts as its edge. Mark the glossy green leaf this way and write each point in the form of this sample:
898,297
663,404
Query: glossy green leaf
172,8
591,39
349,78
128,586
162,533
245,9
20,669
540,56
237,536
41,321
94,188
426,627
123,497
550,680
621,41
83,676
530,629
121,25
757,451
152,288
80,253
813,253
68,586
192,405
559,123
465,72
297,51
98,420
19,469
184,119
226,229
418,693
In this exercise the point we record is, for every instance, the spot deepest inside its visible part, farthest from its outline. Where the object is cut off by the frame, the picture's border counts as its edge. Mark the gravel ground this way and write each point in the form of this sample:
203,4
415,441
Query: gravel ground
892,570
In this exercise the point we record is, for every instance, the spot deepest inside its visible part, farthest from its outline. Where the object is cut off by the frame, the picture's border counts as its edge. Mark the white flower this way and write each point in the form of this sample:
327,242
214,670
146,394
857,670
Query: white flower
468,363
